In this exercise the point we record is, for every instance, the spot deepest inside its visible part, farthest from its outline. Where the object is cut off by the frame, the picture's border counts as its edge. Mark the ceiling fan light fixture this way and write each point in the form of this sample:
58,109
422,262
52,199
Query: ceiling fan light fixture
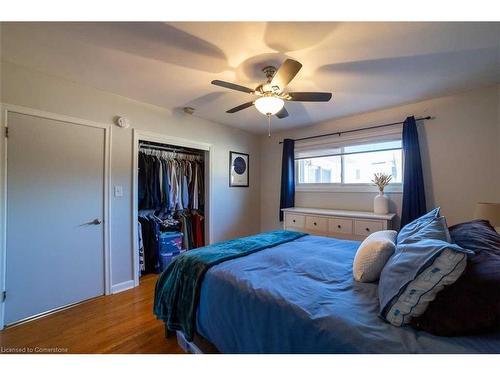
271,95
269,105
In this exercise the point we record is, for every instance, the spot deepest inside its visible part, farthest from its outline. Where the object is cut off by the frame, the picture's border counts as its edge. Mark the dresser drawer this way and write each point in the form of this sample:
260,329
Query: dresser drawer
295,221
317,223
337,225
343,224
367,227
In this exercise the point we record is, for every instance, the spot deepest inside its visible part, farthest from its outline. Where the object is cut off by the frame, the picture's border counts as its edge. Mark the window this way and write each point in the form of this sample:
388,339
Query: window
349,164
319,170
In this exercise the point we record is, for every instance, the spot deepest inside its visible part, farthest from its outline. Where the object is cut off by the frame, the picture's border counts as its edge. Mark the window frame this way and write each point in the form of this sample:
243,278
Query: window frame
396,187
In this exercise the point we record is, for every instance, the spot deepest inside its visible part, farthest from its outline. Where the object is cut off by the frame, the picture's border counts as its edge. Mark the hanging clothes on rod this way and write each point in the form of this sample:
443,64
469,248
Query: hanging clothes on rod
175,149
170,180
171,201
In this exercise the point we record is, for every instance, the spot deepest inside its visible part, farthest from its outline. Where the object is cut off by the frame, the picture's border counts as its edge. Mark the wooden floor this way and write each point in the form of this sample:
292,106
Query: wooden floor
120,323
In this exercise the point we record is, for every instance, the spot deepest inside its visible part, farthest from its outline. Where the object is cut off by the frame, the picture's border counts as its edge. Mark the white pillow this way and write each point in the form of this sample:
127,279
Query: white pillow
373,254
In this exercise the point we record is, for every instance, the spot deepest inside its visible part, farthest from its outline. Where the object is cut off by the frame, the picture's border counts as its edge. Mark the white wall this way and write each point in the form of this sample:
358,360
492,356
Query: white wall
460,153
236,210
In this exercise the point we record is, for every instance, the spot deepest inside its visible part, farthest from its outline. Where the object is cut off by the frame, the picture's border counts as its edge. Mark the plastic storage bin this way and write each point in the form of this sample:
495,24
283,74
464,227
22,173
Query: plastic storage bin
170,242
170,246
166,259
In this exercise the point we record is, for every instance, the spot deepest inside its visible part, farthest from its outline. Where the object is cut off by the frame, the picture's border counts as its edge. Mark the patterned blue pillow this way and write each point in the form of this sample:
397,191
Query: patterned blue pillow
422,265
417,224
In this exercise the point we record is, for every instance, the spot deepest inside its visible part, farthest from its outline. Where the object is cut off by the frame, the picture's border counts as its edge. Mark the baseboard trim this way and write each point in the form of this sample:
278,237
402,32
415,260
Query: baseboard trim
47,313
120,287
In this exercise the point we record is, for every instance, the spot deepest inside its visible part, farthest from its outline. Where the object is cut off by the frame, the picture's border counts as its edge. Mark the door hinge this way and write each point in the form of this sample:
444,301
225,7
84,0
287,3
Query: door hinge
6,132
4,295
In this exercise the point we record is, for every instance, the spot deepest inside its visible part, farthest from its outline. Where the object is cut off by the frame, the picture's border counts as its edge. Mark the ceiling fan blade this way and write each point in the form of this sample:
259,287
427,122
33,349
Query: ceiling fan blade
285,73
282,114
232,86
240,107
310,96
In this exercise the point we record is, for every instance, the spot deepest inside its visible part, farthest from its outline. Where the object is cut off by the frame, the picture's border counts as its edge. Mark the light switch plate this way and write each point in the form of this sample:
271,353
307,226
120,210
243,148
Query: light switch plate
118,191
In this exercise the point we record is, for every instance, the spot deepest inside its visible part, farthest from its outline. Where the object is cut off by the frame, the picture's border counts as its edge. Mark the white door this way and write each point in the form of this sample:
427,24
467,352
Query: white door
55,190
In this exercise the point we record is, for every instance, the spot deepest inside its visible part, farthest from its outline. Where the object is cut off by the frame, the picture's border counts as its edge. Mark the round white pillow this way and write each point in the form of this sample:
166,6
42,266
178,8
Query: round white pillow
373,254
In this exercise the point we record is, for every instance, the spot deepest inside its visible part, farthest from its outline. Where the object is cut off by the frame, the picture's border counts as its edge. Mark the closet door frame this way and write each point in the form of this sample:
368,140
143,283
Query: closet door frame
142,135
5,109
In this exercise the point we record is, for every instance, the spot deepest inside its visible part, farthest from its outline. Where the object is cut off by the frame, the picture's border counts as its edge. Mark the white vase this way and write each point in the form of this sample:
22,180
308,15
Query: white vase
381,204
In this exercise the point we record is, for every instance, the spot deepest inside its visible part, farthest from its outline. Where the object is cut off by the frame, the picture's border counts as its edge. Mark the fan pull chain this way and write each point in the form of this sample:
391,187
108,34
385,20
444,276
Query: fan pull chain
269,125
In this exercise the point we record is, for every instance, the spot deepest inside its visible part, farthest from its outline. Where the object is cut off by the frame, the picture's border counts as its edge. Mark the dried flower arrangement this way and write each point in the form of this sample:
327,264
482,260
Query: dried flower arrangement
381,180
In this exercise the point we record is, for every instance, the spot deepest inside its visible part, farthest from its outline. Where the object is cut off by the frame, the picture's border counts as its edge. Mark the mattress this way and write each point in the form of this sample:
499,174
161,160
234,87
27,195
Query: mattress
300,297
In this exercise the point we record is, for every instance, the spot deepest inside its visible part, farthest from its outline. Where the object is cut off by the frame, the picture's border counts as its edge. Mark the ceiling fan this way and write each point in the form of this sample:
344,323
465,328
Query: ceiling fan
271,95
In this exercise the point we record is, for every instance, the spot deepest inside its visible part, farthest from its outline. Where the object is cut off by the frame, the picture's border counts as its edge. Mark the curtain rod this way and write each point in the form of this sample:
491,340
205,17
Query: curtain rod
357,130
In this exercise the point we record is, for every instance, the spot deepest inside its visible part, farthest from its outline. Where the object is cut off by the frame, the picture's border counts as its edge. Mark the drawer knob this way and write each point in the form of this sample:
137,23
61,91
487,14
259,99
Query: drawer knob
367,229
315,223
339,226
293,220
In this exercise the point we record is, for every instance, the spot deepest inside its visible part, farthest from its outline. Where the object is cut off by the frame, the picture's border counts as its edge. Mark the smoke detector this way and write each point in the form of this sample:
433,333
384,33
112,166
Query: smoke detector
122,122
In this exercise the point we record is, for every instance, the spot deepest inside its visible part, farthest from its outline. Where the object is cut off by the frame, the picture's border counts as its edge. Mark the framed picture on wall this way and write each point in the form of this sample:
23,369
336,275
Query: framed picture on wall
238,169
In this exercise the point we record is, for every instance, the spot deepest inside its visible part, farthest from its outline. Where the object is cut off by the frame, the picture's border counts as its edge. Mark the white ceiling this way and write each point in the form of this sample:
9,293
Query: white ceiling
367,66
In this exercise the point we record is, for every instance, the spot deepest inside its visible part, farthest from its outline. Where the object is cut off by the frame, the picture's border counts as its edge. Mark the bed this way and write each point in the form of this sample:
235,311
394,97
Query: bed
300,297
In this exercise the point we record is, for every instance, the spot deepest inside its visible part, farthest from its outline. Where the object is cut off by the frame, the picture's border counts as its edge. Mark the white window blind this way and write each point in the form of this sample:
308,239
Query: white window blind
350,159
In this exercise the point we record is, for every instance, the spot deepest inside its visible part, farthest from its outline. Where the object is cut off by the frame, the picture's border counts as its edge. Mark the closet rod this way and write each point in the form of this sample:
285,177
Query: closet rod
166,148
357,130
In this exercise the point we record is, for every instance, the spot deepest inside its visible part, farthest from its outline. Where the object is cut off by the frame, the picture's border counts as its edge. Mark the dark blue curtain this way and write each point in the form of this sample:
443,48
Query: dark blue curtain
287,198
413,180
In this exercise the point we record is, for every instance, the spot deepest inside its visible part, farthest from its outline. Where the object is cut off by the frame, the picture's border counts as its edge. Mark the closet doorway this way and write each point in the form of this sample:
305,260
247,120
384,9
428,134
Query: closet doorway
171,192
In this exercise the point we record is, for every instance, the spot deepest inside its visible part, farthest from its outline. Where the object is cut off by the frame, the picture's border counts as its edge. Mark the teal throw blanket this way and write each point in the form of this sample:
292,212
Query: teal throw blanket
177,290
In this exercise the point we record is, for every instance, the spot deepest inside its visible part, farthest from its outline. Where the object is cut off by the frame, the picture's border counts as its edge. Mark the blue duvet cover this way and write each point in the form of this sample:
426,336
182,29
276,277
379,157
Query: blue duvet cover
300,297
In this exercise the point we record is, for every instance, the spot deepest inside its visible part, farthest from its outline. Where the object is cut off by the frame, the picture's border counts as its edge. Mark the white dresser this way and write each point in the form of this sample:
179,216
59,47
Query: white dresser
344,224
